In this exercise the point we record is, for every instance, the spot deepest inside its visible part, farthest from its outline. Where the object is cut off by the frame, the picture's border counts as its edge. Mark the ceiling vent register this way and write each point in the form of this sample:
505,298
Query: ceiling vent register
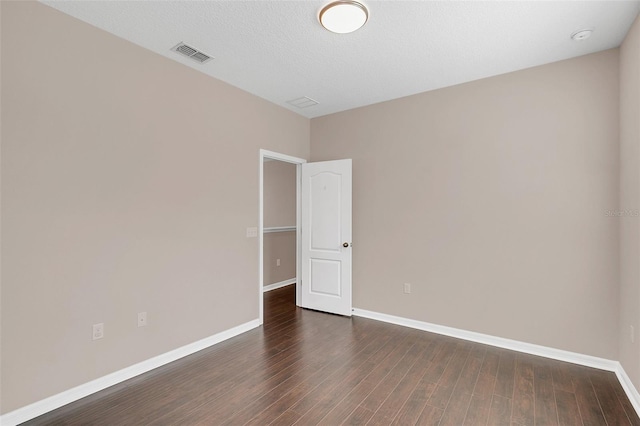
192,53
303,102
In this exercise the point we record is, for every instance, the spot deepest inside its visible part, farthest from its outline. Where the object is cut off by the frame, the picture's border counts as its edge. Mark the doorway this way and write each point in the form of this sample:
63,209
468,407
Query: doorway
281,231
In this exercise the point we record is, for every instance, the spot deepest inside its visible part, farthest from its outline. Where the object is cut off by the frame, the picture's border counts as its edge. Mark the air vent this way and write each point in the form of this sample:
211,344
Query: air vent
303,102
192,53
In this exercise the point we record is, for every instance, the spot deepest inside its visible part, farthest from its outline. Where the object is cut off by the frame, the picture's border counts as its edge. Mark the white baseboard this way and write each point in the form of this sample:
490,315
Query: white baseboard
278,285
629,389
56,401
561,355
529,348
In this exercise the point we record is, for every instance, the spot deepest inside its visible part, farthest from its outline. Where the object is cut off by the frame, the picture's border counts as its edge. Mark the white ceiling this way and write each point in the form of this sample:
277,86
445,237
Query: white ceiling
277,49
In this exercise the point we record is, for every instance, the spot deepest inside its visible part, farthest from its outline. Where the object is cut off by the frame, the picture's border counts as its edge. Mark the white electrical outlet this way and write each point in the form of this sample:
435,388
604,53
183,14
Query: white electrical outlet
632,334
98,331
142,319
252,232
277,262
407,288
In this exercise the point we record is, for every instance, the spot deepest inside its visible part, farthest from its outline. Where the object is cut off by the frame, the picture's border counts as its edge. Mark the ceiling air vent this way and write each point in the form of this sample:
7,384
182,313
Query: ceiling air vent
192,53
303,102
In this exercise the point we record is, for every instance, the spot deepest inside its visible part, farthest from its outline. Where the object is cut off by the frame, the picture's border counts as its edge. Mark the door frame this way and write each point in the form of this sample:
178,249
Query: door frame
265,154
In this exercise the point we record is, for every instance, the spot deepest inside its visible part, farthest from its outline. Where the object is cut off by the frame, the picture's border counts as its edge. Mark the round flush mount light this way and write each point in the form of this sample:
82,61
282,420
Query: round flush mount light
343,16
581,35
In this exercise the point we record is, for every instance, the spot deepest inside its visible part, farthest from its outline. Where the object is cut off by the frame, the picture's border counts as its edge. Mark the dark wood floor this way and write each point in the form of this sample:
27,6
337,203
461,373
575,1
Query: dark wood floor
306,368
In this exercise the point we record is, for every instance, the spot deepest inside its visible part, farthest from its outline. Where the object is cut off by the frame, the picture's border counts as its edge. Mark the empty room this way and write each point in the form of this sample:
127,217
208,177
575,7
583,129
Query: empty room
320,212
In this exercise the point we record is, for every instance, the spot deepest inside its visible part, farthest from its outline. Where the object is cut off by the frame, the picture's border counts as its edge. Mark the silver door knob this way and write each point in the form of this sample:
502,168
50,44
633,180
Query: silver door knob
345,244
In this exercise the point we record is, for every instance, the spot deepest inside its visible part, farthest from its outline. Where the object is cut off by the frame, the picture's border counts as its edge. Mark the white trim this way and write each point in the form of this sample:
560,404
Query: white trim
299,234
515,345
278,285
271,155
56,401
261,157
629,389
43,406
279,229
281,157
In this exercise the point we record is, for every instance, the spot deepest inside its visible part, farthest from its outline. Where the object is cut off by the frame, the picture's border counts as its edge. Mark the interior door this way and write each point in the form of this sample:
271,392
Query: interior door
326,236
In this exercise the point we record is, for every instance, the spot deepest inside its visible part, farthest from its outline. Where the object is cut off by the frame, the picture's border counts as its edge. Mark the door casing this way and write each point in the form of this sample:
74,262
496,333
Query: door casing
265,154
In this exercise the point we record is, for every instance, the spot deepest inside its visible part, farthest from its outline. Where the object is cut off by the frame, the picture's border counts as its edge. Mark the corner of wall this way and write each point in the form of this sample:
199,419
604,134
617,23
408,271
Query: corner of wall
629,206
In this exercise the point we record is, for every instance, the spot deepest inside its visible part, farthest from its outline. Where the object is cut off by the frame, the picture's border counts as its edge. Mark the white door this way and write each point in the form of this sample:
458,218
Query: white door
326,236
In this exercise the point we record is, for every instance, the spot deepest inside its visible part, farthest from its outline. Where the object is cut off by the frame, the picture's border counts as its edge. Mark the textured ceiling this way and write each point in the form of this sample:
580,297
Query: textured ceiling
277,49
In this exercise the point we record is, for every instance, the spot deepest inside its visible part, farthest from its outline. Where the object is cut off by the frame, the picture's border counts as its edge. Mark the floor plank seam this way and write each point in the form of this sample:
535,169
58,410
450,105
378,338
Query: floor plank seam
304,367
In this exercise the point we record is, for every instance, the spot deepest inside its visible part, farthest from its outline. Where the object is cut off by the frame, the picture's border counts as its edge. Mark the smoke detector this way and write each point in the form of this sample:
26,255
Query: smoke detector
581,35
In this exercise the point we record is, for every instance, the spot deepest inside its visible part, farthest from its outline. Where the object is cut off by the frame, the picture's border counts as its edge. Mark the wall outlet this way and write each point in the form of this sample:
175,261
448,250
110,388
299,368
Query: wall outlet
632,334
277,262
98,331
142,319
407,288
252,232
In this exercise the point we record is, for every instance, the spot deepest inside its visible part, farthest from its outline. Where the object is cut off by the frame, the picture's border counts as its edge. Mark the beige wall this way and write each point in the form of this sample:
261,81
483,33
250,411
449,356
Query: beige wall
279,194
125,192
630,202
279,210
490,199
279,245
128,181
1,261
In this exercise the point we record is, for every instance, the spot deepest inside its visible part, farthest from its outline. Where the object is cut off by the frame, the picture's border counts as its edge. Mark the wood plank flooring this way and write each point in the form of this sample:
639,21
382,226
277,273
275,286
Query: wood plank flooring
306,368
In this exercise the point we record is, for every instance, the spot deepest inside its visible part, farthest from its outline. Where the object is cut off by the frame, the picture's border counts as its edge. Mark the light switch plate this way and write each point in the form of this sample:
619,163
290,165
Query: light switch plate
98,331
252,232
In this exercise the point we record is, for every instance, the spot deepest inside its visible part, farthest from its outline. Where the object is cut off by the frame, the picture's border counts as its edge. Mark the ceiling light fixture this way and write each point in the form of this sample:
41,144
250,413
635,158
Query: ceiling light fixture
581,35
343,16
